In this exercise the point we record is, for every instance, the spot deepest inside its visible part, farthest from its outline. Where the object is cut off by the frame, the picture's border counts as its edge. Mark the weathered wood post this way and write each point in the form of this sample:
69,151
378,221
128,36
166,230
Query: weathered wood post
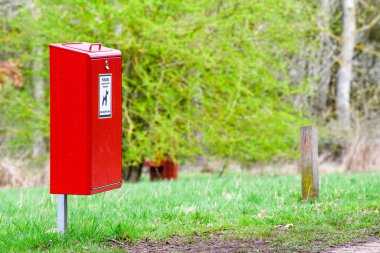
309,162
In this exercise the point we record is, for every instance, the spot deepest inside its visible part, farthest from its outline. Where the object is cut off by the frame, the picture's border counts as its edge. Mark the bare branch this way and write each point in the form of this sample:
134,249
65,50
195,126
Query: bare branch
370,25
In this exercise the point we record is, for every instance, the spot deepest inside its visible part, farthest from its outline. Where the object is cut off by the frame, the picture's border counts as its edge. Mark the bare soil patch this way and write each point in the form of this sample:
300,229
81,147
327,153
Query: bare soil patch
195,244
219,243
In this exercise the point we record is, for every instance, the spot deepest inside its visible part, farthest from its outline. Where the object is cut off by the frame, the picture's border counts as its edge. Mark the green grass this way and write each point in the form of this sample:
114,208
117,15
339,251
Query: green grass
348,208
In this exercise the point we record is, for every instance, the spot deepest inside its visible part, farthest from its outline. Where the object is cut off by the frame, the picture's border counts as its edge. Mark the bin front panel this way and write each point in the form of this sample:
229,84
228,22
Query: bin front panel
106,123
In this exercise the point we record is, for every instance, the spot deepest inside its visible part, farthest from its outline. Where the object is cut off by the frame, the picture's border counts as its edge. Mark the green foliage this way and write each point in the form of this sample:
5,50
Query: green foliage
197,205
19,120
199,77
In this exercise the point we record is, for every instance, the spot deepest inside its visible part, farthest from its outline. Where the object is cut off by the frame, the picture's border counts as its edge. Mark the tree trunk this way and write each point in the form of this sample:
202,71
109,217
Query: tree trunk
197,103
38,83
39,95
132,173
325,54
345,71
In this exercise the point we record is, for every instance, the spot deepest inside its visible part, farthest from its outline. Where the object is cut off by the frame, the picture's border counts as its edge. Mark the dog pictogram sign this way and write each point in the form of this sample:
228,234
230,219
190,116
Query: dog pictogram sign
105,96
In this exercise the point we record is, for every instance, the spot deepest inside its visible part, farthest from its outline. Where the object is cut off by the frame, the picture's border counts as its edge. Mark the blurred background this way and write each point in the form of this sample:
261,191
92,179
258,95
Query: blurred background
213,84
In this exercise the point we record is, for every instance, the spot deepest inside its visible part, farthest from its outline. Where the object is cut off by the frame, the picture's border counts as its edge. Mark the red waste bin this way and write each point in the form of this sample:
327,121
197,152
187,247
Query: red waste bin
170,169
162,169
85,118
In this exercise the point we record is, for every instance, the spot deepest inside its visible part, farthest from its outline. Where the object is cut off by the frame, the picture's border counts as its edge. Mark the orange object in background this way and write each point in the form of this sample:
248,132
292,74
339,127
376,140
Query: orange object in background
163,169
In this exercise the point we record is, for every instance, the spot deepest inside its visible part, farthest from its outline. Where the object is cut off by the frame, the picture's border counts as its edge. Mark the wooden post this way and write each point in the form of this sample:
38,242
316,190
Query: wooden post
309,162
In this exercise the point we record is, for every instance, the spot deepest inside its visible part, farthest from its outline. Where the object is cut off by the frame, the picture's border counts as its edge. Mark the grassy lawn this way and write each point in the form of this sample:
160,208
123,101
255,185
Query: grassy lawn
236,206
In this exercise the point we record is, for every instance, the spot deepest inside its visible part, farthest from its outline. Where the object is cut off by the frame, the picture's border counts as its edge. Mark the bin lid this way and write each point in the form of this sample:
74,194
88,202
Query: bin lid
88,47
93,50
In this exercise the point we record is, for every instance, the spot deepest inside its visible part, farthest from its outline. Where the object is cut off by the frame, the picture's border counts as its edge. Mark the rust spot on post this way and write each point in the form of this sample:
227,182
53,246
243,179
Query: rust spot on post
309,162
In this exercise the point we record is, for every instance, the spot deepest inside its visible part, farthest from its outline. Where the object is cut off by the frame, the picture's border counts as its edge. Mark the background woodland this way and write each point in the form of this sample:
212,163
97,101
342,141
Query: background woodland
206,80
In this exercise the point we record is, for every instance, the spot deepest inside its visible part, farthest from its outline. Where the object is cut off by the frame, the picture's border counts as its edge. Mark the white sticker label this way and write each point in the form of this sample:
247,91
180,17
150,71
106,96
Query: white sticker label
105,96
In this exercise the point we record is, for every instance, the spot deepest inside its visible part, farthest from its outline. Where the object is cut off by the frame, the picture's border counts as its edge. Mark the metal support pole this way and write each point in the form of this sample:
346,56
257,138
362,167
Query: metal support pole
62,213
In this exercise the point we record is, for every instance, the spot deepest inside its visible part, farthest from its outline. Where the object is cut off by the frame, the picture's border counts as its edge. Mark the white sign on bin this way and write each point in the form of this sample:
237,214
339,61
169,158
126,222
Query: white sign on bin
105,96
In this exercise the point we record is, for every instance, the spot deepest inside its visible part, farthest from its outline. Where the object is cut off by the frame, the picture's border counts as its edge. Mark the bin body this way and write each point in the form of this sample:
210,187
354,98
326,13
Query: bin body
85,118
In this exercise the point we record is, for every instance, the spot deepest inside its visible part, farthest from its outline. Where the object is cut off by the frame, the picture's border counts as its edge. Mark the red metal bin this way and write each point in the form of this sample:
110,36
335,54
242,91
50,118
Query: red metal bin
85,118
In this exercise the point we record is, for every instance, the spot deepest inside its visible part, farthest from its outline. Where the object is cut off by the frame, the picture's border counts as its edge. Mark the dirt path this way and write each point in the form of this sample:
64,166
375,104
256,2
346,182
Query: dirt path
201,246
216,245
365,247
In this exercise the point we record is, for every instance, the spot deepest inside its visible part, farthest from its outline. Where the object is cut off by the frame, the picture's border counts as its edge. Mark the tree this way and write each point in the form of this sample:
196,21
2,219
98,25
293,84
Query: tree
345,71
38,84
325,52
